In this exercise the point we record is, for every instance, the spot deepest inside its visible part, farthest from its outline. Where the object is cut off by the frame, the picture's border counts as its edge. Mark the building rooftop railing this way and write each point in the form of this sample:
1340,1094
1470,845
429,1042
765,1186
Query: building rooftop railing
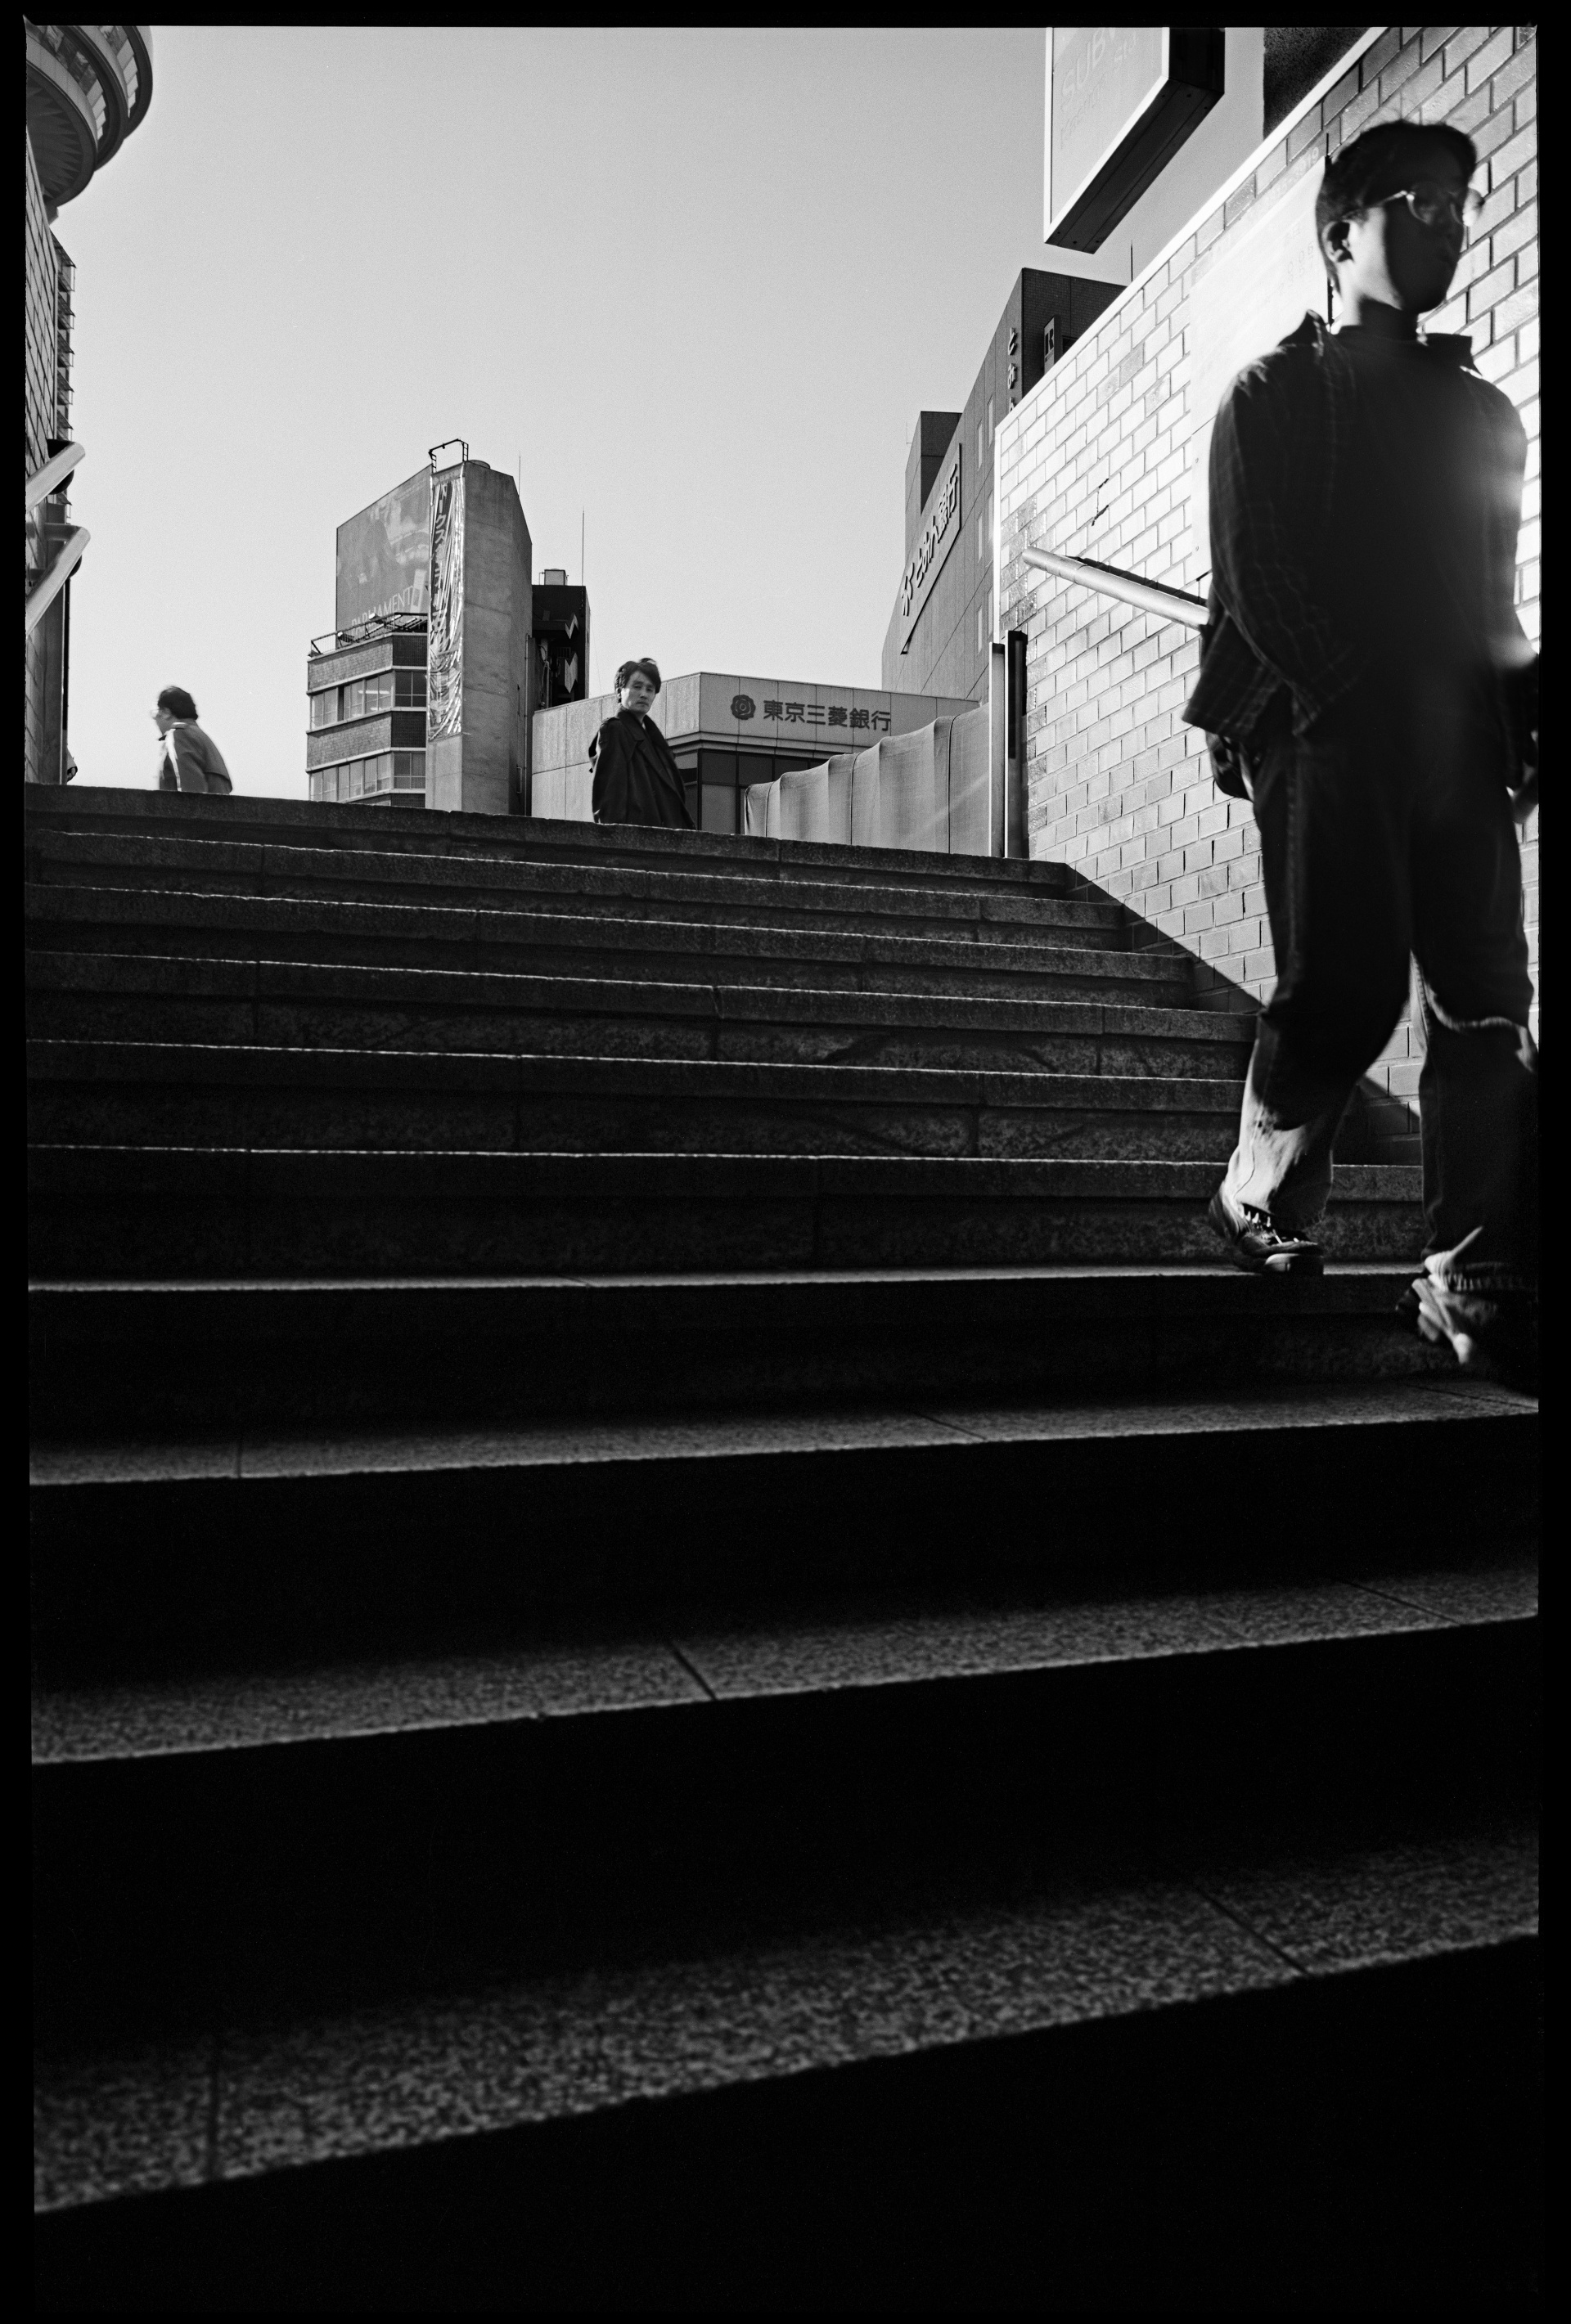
360,634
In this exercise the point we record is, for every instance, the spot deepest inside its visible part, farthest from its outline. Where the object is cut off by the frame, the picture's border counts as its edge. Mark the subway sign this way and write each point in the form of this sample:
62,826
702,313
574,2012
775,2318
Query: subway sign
939,535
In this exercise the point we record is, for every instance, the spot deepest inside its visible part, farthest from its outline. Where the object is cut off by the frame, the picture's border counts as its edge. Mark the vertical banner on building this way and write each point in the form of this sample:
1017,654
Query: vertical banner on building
444,713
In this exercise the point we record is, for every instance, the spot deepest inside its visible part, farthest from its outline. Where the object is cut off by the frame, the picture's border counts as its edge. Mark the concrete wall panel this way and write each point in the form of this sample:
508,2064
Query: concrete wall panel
970,817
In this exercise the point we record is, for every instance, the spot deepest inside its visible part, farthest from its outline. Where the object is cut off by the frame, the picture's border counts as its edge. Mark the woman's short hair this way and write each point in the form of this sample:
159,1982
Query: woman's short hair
1371,167
650,669
177,702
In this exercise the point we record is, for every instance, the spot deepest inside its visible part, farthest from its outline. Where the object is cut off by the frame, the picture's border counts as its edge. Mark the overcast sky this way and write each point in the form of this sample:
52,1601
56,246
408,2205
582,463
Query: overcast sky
695,284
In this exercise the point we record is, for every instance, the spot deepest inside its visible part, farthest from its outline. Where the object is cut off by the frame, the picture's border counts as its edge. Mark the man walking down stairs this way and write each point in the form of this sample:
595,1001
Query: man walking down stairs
691,1649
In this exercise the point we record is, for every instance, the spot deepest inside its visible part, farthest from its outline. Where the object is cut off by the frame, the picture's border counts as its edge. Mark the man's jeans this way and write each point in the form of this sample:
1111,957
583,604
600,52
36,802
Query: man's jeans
1386,835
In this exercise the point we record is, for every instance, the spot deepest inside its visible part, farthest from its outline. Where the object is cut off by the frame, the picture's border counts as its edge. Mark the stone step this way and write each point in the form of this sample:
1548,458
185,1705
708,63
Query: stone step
131,919
420,1804
90,809
137,1211
302,1003
376,873
1224,1604
155,1094
429,1820
338,1531
194,1355
946,2114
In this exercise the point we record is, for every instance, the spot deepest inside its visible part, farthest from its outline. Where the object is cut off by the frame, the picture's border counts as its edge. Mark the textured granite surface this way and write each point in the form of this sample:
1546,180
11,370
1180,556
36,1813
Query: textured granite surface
722,1435
404,2074
124,2124
903,1649
340,1700
1397,1903
597,2040
848,1643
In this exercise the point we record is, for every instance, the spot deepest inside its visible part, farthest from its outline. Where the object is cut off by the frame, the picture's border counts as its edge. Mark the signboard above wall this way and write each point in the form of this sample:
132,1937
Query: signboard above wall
384,555
1121,100
939,537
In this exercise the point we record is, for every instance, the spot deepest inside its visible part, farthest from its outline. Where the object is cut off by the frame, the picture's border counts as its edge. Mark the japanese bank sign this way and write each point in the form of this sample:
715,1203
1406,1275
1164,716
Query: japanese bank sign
939,535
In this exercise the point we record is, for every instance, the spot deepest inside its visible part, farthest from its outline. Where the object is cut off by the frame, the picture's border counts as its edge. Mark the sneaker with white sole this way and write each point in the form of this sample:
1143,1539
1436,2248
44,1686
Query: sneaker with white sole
1258,1245
1491,1339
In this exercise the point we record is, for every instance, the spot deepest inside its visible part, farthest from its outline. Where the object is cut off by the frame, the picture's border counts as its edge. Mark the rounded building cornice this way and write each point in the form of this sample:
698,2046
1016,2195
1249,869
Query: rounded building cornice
89,85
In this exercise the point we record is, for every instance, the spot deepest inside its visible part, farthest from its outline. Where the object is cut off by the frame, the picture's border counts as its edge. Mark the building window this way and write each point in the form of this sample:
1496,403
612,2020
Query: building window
979,443
365,697
979,536
990,616
990,423
380,777
981,641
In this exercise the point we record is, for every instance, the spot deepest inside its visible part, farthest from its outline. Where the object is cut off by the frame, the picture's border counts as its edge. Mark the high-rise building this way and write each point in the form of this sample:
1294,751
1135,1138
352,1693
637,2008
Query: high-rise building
442,647
88,87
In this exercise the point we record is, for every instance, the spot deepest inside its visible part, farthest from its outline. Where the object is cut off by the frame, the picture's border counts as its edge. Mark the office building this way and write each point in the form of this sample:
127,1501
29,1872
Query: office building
88,87
942,625
422,692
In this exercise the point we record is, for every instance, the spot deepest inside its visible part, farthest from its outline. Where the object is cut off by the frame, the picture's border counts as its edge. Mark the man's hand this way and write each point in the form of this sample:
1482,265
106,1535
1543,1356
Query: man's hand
1230,766
1522,697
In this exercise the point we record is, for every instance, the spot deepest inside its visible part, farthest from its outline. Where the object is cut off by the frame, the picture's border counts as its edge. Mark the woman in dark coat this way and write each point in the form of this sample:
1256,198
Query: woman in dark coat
636,777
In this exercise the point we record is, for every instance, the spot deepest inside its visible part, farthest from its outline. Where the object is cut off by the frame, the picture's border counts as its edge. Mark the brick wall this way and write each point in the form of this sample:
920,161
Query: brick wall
1100,460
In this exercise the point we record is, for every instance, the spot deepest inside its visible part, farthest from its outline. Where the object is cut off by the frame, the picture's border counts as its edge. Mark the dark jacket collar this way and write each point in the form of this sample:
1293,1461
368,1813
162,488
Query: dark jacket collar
1317,332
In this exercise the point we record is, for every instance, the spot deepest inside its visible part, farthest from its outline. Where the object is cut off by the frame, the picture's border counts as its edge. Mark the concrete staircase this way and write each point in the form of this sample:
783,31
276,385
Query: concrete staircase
689,1649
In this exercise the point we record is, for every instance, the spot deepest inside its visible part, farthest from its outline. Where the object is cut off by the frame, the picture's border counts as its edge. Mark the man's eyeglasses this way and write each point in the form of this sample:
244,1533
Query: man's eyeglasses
1435,205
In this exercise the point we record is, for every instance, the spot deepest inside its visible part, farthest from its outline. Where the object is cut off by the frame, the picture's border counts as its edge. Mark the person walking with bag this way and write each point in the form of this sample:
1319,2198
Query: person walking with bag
1365,681
190,760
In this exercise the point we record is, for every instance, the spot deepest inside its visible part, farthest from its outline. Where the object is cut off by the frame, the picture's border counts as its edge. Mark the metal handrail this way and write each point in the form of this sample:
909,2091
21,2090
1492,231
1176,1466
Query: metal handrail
53,474
367,633
66,558
1152,597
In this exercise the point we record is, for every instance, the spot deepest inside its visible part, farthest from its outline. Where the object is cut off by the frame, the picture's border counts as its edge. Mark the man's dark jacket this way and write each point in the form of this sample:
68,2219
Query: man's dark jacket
1281,468
636,777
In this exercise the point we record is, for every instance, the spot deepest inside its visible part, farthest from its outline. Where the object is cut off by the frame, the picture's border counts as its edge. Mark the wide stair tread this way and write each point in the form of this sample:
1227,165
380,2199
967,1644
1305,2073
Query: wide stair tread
247,1352
95,813
188,1094
198,998
749,1436
1066,962
171,866
147,1210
